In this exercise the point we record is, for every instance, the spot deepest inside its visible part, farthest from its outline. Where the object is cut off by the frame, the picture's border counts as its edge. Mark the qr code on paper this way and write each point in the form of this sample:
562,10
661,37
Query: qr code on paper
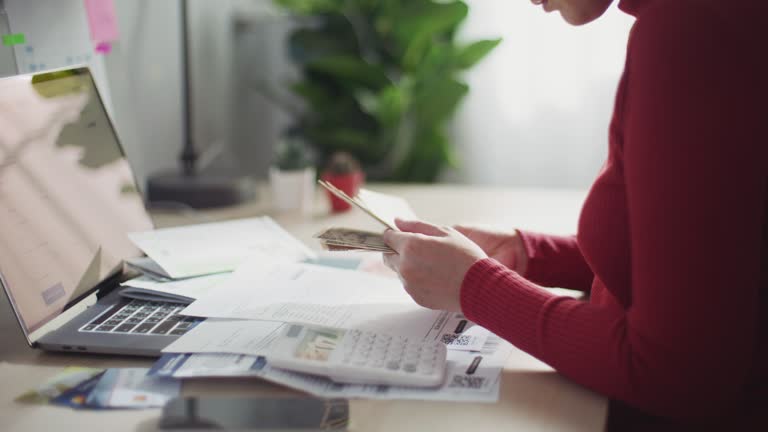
468,382
457,339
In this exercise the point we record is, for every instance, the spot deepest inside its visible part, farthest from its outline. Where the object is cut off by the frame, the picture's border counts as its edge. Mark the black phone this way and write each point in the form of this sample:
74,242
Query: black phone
244,413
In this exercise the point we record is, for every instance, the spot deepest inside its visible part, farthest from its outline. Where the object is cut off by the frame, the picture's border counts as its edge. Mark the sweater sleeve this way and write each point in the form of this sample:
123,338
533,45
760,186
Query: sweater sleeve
555,261
694,167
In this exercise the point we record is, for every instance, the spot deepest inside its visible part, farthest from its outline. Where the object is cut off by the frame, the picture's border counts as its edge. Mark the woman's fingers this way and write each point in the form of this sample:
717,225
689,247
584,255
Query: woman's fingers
392,261
465,229
421,227
395,239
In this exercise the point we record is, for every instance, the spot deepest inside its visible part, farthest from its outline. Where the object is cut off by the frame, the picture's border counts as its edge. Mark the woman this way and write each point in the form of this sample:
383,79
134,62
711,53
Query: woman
671,243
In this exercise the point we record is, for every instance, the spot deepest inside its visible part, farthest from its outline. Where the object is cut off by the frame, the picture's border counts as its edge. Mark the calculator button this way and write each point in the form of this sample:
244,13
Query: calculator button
410,367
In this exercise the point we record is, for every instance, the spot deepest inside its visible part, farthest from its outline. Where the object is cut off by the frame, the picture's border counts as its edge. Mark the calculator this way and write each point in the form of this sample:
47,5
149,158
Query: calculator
359,357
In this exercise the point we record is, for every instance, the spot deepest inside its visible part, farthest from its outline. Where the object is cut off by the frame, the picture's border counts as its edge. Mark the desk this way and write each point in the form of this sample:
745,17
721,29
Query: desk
533,397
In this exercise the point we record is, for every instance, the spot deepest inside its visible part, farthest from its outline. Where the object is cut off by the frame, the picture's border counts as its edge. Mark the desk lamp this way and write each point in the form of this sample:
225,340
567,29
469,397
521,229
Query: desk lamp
189,186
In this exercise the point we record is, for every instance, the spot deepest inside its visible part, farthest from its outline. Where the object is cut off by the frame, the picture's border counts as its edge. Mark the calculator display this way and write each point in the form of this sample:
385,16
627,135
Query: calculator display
318,345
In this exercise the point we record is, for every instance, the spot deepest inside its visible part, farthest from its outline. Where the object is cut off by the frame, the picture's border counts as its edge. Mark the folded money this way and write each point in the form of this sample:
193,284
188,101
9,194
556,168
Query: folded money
357,202
352,239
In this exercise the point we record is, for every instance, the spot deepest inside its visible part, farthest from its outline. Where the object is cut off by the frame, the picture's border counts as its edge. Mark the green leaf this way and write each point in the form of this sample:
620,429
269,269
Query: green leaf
424,24
357,142
426,157
387,106
332,39
351,69
469,55
392,102
437,100
315,95
309,7
379,80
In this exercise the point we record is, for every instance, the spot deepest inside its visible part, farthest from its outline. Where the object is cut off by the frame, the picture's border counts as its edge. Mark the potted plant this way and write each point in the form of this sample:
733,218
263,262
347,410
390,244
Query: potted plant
382,80
292,176
343,171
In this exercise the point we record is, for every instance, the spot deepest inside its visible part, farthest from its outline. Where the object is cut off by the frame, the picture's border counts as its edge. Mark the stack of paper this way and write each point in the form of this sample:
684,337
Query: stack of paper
181,291
185,263
243,322
272,286
202,249
218,348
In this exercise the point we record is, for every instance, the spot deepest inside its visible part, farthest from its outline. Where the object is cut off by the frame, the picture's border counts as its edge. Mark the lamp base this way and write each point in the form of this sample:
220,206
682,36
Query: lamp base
199,190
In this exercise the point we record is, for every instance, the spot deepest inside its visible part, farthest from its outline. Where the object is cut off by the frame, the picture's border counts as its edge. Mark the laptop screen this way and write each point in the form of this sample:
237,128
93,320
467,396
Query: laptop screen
67,194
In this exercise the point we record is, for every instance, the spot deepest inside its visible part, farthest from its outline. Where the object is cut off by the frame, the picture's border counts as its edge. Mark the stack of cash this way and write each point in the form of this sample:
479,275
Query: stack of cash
357,202
343,239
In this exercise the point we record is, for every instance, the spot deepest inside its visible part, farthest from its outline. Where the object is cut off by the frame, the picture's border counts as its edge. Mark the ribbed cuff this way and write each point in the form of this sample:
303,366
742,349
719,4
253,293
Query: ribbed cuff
504,302
555,261
530,239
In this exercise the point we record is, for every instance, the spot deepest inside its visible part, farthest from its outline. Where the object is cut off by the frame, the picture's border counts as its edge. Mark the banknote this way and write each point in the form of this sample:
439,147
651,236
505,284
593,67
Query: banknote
357,202
352,239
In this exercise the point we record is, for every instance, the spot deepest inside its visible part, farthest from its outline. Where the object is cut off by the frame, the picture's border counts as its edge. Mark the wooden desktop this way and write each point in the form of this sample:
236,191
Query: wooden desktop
533,397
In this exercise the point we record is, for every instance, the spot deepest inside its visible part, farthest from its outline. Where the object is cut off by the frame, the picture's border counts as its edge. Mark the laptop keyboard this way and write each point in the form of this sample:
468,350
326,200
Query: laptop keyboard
138,317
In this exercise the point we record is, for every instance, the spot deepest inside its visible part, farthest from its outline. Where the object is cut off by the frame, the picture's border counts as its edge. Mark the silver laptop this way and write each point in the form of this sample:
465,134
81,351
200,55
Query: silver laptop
67,199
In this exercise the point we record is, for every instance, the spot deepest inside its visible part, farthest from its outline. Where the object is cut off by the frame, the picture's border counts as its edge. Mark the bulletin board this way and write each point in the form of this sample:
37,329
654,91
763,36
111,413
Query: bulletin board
55,34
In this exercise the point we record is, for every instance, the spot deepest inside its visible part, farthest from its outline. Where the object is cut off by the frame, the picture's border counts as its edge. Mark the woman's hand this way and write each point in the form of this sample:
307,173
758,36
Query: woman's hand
505,247
431,262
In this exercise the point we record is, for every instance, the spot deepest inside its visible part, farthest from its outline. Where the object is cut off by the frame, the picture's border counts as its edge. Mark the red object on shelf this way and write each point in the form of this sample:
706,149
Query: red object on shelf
350,183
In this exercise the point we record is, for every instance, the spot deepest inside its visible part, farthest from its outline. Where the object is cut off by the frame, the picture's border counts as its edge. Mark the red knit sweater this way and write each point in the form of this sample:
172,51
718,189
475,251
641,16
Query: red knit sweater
672,237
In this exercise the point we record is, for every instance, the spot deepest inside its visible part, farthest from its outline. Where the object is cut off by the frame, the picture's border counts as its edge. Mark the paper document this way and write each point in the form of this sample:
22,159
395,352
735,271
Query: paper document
227,337
148,267
182,290
471,339
470,376
351,260
218,247
315,295
208,365
386,207
258,283
250,337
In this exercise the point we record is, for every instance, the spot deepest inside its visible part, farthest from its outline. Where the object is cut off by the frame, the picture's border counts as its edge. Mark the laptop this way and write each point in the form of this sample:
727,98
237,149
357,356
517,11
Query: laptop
68,198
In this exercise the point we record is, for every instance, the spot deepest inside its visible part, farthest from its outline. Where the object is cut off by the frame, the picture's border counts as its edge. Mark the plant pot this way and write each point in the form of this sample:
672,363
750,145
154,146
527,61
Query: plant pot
350,183
293,191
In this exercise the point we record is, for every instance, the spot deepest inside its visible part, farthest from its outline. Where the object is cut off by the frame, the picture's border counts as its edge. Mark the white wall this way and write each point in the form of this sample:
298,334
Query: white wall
144,70
539,106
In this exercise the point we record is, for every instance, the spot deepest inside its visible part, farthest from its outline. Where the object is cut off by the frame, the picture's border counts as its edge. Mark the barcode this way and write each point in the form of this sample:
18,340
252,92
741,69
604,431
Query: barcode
457,339
469,382
491,345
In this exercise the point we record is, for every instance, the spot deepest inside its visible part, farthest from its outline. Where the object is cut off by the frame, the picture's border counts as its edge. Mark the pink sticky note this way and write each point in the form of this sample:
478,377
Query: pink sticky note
103,48
103,20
